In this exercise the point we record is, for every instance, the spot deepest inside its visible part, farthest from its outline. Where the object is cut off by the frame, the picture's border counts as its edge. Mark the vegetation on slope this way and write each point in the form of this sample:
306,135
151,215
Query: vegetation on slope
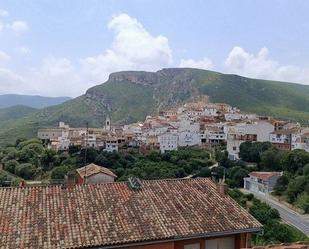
34,101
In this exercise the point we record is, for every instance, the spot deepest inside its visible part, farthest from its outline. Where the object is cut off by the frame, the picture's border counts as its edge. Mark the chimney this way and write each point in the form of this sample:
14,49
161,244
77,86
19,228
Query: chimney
222,188
22,183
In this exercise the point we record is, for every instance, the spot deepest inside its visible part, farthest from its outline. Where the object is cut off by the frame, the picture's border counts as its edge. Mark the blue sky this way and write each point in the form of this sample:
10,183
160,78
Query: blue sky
63,47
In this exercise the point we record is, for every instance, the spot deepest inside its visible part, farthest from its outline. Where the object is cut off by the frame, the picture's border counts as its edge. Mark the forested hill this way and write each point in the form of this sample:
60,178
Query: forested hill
34,101
130,96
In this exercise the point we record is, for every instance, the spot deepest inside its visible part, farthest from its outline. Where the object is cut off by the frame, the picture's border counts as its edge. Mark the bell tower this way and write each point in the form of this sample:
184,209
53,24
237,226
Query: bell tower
108,123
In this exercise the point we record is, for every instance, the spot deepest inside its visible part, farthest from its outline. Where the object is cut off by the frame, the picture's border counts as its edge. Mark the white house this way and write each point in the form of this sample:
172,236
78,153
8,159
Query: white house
210,110
168,142
261,182
257,131
188,133
239,116
111,145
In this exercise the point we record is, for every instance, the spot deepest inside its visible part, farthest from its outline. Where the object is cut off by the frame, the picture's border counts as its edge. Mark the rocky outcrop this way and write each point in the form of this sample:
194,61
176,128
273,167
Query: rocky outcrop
142,78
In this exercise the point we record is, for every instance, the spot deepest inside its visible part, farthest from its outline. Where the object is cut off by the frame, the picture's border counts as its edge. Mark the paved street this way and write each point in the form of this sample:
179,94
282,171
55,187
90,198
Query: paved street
286,213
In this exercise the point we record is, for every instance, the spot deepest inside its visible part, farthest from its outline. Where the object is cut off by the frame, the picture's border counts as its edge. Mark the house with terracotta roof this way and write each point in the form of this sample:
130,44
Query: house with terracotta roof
93,173
157,214
261,182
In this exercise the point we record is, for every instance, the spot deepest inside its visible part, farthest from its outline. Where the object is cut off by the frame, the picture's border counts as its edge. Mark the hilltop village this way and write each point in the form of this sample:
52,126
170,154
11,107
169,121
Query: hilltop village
195,124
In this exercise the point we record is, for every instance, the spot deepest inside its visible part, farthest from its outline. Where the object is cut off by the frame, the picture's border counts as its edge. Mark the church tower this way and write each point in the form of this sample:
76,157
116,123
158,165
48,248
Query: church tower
108,123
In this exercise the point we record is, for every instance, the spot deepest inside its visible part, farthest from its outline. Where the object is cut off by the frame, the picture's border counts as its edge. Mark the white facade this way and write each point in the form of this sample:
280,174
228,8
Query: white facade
188,134
239,116
210,110
111,146
257,131
168,142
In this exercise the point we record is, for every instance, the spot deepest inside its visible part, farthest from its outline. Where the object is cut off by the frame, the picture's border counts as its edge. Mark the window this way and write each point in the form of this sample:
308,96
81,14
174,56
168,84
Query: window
192,246
234,148
224,243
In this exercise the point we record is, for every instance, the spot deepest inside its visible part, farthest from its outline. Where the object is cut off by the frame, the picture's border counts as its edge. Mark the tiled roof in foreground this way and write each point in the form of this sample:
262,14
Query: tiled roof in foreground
112,213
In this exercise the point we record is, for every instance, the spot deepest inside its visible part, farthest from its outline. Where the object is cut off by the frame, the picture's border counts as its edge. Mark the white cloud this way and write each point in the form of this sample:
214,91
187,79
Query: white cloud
261,66
204,63
133,48
23,50
4,13
19,27
10,82
55,77
4,56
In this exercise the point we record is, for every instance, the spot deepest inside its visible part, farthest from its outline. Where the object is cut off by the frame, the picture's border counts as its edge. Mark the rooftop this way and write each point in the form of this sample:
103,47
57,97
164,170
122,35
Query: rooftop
108,214
264,175
92,169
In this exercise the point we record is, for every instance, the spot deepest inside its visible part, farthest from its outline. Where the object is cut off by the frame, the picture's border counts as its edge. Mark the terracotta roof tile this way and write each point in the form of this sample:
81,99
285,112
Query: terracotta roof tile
112,213
264,175
92,169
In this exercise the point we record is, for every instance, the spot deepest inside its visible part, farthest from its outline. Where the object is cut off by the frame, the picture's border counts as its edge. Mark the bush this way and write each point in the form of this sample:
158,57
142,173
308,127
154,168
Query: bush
281,185
11,166
303,202
26,171
263,212
59,172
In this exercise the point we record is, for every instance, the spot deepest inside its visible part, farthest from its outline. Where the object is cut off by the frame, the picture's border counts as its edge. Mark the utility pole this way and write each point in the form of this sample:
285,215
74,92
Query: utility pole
85,153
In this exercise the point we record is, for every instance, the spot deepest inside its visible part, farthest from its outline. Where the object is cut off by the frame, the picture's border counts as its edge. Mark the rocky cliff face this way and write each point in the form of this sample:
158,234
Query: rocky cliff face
142,78
170,86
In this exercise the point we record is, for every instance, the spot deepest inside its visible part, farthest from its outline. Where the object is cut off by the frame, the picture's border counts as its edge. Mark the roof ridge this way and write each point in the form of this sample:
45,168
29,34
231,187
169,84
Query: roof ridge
105,183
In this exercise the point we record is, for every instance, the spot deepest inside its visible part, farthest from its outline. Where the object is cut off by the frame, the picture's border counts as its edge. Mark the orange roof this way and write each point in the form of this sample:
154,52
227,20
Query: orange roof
297,245
264,175
92,169
89,215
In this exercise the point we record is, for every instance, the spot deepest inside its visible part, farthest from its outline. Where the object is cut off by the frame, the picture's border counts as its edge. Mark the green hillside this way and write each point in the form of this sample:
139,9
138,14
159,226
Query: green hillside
130,96
15,112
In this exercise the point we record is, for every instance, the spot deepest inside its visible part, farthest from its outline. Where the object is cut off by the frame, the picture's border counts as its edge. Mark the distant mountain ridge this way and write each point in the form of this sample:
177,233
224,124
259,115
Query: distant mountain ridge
132,95
34,101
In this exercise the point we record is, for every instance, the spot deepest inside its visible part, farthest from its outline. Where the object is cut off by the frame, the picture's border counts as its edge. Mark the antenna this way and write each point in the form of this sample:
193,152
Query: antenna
134,183
224,171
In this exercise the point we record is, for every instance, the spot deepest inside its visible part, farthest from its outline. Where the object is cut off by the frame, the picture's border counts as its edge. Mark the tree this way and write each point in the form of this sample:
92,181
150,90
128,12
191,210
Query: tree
296,186
271,160
306,169
263,212
303,201
251,151
295,160
11,166
31,151
205,172
236,176
59,172
5,180
48,158
281,184
26,171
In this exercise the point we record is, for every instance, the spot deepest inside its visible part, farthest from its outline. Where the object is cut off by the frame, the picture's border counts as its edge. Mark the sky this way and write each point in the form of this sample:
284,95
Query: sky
61,48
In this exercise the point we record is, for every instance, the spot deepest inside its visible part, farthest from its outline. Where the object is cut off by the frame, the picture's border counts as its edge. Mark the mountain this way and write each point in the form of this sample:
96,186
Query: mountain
8,100
15,112
130,96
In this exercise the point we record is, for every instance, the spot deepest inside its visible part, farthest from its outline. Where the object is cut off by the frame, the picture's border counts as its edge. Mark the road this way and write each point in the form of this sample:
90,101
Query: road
287,214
